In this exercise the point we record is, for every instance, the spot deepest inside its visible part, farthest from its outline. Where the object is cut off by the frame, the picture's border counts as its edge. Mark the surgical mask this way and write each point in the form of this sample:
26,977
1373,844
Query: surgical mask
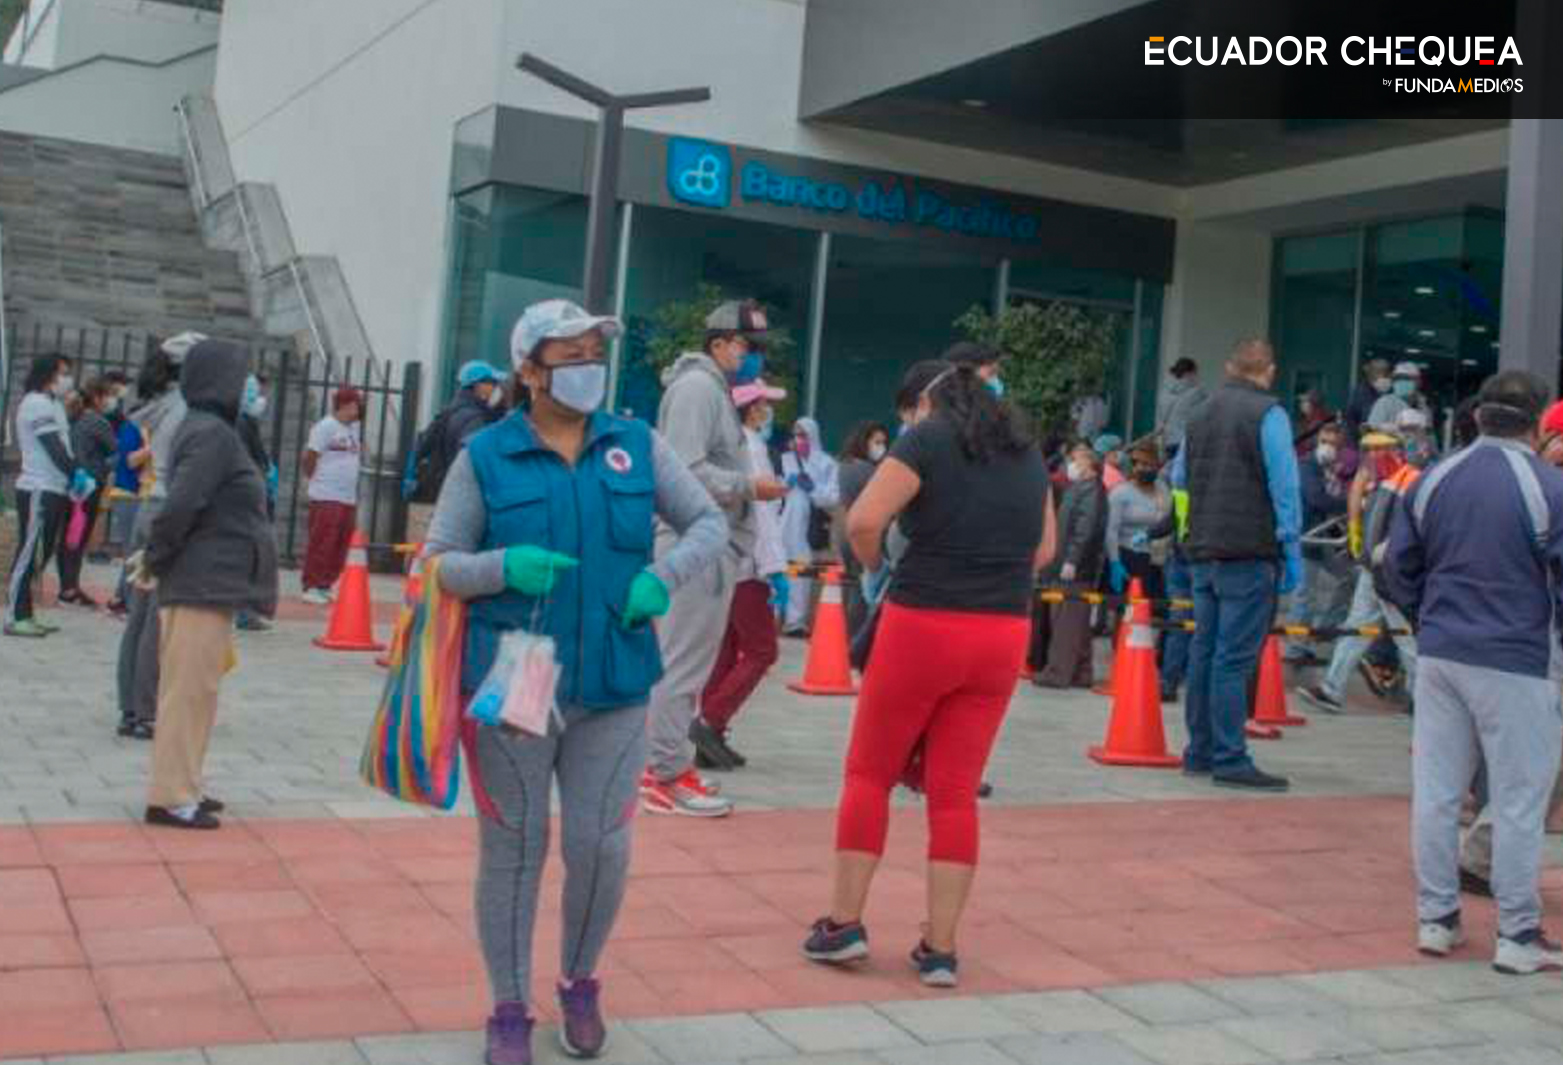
767,425
801,446
749,368
580,387
255,407
496,396
1325,453
1381,384
1075,471
63,385
112,405
996,386
1145,476
876,452
1405,388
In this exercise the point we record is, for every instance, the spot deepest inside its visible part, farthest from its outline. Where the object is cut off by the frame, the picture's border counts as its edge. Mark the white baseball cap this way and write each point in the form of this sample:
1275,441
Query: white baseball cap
556,320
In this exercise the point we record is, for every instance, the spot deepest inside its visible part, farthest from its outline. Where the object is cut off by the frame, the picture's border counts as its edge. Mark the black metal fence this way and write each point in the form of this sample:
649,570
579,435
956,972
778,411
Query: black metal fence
299,386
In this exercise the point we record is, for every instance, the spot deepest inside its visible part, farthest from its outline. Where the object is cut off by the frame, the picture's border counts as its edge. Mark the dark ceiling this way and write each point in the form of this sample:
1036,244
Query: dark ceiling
1064,98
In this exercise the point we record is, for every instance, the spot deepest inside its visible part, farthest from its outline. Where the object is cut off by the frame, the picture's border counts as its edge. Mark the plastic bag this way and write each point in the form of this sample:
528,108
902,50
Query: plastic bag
520,688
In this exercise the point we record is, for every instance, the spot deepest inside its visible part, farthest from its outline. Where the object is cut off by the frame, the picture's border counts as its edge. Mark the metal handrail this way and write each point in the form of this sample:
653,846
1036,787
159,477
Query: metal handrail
192,154
5,344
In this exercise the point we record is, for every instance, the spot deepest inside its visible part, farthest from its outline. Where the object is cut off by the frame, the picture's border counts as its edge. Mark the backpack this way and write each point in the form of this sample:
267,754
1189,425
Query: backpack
429,461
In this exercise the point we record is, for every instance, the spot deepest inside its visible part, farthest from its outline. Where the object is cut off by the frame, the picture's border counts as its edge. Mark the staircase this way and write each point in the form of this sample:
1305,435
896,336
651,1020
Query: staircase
103,238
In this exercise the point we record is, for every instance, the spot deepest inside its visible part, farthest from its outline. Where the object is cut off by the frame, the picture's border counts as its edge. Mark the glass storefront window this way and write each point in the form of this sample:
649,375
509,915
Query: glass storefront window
888,304
1411,299
672,253
1314,300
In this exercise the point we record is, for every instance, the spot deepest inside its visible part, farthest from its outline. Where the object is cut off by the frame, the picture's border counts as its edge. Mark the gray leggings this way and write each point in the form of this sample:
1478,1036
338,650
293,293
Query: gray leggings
137,673
598,760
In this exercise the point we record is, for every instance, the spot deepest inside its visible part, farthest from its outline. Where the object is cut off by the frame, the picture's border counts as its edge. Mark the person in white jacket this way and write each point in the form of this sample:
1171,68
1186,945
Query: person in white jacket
811,478
749,647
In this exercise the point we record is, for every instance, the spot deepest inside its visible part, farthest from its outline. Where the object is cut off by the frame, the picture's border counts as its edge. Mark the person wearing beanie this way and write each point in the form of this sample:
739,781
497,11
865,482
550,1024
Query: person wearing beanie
332,460
1179,400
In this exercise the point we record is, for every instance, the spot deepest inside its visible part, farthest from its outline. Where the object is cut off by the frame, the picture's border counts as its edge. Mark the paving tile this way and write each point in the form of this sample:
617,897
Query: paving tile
34,918
464,1048
1501,1022
338,1013
239,907
1406,1029
1262,995
725,1037
832,1028
1297,1038
952,1020
129,945
109,881
270,939
302,974
446,1007
170,1023
19,886
340,1052
1079,1048
50,1032
624,1048
1192,1044
847,1058
1064,1012
153,911
945,1053
1548,1004
40,951
24,990
1456,981
1169,1003
190,982
1362,990
144,1057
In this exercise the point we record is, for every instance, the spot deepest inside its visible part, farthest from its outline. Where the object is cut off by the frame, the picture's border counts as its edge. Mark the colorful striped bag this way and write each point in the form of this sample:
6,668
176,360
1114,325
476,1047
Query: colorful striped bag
412,750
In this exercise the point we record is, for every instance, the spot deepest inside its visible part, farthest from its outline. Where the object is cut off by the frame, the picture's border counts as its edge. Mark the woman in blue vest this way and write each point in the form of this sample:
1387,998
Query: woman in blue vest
545,523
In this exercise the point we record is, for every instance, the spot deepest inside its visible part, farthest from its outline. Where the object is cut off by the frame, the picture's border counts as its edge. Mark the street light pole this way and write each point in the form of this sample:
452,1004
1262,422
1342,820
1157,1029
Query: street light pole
604,191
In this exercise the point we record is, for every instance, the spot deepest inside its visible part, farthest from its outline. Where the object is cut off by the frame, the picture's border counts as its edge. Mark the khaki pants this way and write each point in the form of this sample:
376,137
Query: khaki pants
195,649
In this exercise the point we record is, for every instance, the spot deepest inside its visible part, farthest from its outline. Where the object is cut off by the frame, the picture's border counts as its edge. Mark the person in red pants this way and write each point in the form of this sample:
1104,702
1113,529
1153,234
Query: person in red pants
749,647
332,464
970,493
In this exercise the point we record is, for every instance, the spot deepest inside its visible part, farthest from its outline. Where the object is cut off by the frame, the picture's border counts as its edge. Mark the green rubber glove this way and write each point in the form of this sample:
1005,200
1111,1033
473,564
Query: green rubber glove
533,570
648,599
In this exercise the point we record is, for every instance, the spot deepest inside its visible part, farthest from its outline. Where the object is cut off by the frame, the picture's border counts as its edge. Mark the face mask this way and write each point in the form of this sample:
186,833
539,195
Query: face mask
256,407
580,387
1381,384
876,452
495,397
1386,465
996,386
1145,476
767,425
1325,453
749,368
1074,471
63,385
111,405
1405,389
801,446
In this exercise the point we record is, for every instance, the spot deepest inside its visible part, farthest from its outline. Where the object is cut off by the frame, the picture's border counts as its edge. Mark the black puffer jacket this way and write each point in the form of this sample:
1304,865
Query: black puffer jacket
211,545
1082,529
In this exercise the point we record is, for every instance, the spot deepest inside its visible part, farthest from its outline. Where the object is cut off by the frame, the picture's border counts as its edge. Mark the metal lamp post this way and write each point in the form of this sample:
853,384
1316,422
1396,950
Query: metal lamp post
603,196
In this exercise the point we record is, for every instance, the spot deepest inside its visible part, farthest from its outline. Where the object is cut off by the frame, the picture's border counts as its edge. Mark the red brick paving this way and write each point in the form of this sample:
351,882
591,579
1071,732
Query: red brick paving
324,929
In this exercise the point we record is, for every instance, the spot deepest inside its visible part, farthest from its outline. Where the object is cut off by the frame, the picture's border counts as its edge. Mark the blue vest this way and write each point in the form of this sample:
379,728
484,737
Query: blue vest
600,512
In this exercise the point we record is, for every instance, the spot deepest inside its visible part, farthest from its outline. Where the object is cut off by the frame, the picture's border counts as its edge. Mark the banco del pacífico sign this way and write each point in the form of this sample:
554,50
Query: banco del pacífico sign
701,173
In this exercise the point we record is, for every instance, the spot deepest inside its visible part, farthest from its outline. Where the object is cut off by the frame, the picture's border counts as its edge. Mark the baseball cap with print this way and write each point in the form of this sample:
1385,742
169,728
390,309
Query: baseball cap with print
556,320
756,390
746,317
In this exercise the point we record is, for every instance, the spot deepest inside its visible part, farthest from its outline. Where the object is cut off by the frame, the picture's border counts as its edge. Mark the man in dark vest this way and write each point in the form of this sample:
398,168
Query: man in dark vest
1245,514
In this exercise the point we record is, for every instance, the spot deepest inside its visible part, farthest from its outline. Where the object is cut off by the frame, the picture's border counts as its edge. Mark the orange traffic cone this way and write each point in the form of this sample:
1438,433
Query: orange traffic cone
352,616
828,670
1134,733
1270,699
1109,686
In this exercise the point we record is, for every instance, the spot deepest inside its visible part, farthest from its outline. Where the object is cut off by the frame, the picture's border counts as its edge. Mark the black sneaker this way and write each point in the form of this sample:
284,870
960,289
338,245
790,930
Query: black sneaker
709,746
213,806
738,760
984,790
1315,694
933,968
836,944
1251,779
1475,884
136,730
1169,693
163,816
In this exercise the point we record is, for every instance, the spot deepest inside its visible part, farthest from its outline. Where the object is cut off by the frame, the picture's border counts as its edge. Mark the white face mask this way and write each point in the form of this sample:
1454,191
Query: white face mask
1074,471
256,407
1325,453
495,397
1381,384
876,452
580,386
63,385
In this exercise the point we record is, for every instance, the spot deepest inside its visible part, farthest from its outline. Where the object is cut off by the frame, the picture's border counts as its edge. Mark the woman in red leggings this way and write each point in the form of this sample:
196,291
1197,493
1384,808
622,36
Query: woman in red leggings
971,493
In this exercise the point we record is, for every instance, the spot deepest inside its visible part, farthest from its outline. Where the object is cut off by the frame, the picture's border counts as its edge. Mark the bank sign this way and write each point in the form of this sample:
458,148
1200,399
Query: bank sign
701,173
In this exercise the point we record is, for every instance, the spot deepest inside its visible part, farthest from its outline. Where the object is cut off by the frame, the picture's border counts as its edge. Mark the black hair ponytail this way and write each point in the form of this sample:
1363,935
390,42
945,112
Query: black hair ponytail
986,425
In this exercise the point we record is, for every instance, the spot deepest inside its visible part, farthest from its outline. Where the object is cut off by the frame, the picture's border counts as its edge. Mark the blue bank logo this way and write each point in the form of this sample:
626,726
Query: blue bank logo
699,172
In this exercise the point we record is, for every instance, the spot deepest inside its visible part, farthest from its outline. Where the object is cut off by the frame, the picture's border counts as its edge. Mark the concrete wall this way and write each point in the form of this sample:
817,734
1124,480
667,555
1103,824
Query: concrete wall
1220,292
75,30
348,108
110,101
37,43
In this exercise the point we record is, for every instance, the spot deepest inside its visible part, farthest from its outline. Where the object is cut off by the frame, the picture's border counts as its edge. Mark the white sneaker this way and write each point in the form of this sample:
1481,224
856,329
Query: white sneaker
316,597
684,797
1532,953
1437,939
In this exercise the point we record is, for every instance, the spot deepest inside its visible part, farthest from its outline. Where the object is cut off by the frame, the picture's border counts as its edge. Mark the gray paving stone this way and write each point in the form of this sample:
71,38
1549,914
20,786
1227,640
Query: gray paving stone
725,1037
1406,1029
334,1053
1362,990
1501,1023
946,1054
1297,1038
1064,1012
1269,994
1169,1003
952,1020
154,1057
1457,981
1548,1004
861,1058
1080,1048
1192,1044
442,1048
833,1028
624,1048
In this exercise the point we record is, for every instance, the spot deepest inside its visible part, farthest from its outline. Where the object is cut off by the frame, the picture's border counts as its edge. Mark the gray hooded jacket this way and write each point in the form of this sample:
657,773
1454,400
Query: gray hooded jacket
701,424
211,544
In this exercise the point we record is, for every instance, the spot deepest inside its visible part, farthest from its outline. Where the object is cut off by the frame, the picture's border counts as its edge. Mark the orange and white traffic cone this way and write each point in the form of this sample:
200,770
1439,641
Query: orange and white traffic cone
352,615
1135,736
828,668
1270,708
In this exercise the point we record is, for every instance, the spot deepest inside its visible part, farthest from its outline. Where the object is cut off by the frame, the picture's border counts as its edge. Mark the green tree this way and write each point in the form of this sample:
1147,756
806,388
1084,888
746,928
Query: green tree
680,326
1056,353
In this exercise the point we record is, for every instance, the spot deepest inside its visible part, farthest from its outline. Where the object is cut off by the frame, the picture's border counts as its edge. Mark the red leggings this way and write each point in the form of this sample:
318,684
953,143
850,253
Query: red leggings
945,678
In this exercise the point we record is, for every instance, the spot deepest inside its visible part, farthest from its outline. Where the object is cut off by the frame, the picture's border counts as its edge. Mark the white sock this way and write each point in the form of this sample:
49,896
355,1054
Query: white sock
186,812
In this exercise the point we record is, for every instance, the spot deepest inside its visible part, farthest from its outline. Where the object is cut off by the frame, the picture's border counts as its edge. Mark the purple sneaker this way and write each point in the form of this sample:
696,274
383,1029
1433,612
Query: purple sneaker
509,1035
581,1031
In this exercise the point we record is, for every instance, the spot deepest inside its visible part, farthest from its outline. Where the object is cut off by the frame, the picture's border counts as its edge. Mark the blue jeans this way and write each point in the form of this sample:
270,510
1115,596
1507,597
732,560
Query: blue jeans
1234,607
1175,648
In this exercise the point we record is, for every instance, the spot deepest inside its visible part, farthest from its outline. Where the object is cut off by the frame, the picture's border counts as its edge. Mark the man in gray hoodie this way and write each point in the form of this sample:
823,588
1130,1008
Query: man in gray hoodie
1179,400
700,422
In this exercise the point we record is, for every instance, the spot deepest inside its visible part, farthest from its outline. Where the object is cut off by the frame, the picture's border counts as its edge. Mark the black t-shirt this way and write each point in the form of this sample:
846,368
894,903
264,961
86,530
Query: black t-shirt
973,527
